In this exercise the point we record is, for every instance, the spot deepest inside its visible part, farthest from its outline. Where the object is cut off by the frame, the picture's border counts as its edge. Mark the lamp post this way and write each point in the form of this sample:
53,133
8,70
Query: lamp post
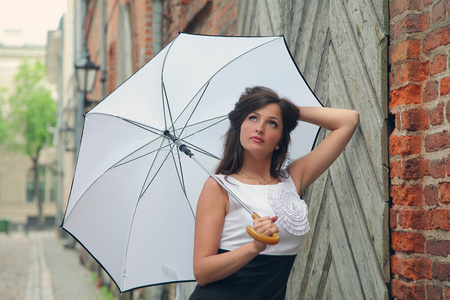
85,75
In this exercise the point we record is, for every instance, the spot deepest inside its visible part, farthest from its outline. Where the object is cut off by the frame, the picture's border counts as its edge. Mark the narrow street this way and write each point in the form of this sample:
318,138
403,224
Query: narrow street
37,266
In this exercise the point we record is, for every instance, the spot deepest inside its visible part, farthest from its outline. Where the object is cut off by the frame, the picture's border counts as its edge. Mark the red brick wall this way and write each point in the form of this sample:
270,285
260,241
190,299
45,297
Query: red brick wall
419,148
141,23
141,14
193,16
111,17
93,42
213,17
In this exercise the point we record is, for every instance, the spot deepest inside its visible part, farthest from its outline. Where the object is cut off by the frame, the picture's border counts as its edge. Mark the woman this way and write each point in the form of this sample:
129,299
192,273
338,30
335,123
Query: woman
228,263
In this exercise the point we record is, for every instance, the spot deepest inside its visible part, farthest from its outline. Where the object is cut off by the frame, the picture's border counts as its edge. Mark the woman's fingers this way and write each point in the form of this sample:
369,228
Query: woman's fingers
266,225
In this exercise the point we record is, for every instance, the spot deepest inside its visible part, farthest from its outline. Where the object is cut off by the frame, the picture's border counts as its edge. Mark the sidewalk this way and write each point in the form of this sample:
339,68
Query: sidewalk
38,267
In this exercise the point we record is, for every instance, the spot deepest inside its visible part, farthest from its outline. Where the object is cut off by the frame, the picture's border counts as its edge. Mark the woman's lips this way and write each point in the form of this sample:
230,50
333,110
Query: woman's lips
257,139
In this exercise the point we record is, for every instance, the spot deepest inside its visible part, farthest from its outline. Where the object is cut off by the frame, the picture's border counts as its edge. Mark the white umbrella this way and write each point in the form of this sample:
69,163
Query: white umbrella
134,193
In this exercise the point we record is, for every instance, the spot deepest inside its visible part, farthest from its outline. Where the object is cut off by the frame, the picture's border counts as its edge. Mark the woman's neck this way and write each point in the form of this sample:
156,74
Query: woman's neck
257,169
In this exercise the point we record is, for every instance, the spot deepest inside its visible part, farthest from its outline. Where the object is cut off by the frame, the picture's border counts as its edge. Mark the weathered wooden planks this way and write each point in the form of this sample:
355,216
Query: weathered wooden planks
340,47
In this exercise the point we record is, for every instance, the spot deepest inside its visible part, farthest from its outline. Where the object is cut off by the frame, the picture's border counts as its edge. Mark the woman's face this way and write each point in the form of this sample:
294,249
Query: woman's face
262,130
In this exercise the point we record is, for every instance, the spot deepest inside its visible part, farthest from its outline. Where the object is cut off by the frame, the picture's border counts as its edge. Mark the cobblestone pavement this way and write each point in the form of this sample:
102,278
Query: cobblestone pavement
36,266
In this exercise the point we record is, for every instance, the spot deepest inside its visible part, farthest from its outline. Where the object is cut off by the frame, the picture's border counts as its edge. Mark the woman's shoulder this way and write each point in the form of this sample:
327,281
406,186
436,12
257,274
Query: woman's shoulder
213,194
212,183
211,186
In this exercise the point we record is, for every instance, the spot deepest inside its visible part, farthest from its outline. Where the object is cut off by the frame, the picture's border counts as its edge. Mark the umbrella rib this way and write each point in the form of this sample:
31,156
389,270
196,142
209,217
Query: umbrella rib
219,118
178,175
179,169
165,102
122,162
142,126
197,148
144,189
164,91
117,164
181,179
163,86
222,118
150,129
205,86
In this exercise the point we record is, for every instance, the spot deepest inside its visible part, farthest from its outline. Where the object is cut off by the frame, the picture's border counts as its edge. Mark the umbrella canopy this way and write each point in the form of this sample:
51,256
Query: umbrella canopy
134,194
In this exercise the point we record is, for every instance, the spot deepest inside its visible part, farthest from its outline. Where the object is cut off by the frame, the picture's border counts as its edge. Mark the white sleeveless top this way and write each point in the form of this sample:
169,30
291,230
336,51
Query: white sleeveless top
266,200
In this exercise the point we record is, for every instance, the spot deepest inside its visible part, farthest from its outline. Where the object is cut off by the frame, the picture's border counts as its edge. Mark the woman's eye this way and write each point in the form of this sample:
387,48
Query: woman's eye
252,118
273,124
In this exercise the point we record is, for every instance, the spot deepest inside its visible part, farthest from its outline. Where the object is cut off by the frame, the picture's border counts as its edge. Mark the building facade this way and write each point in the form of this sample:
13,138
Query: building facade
17,204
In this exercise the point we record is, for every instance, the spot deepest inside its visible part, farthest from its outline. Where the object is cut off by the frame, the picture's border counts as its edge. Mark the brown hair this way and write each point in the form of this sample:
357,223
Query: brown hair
251,100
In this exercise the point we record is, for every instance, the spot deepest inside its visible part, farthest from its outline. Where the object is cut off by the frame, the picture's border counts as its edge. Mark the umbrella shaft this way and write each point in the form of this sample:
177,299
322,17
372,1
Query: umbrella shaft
222,185
177,142
188,152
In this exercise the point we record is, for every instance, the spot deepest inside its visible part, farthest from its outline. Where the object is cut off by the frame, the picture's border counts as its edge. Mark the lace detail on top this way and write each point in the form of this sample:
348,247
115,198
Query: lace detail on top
256,198
291,210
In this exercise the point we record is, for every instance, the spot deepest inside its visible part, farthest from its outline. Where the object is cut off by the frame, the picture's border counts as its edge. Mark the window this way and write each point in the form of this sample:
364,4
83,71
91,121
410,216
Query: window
47,185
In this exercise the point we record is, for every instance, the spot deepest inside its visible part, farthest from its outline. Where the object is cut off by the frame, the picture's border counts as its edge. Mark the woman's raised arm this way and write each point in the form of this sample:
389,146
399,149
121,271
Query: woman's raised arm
342,124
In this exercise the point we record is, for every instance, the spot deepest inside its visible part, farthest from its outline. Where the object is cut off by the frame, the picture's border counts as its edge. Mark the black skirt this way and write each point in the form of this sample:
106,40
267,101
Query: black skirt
265,277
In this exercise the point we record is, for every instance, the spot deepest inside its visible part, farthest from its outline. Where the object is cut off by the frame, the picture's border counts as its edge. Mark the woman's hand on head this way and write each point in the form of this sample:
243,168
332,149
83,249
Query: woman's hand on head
342,124
265,225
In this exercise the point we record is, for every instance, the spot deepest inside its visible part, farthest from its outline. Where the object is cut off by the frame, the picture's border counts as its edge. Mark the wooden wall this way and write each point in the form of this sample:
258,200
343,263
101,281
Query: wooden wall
341,49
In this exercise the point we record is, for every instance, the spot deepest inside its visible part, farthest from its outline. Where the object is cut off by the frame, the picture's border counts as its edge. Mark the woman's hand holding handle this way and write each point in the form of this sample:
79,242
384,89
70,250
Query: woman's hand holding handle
273,239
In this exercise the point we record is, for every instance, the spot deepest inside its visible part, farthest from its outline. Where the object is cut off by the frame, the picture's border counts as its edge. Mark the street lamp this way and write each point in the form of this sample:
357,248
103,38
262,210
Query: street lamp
85,73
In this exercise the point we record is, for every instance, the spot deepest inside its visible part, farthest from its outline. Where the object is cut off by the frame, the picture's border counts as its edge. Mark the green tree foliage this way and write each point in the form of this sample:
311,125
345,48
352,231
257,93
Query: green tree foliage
3,125
30,112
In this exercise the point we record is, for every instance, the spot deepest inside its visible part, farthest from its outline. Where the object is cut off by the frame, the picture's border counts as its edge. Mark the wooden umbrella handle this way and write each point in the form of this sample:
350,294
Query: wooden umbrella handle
269,240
